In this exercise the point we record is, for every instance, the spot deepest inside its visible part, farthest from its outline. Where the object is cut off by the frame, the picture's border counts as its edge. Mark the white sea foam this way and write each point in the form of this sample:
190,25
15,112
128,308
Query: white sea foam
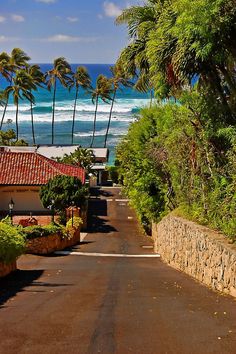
112,131
67,116
120,106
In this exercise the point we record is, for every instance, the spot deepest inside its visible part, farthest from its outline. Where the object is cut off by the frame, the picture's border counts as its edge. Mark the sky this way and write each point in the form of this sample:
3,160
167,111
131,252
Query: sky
83,31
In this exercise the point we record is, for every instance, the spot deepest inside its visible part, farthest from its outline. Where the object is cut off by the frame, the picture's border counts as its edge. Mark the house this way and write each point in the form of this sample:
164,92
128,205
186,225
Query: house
54,151
22,173
99,167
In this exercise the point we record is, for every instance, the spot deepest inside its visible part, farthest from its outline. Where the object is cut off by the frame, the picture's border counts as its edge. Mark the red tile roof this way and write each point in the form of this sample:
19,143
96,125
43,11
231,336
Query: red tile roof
30,168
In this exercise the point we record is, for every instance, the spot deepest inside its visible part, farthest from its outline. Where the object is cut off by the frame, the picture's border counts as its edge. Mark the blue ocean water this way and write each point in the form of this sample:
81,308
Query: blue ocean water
128,102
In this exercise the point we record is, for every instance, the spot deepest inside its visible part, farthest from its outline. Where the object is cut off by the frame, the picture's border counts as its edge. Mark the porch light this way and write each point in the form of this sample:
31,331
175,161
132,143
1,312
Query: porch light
11,207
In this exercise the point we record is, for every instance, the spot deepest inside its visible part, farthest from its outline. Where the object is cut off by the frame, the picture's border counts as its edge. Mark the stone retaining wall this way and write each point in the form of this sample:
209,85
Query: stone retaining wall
6,269
198,251
52,243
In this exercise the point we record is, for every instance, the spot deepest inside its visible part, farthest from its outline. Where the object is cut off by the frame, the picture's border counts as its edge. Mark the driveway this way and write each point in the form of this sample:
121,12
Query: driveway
73,303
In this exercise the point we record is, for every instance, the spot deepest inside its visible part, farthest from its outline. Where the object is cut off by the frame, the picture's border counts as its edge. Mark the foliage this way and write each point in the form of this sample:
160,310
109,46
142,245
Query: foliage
176,155
80,157
141,182
35,231
31,232
8,138
173,42
185,147
82,79
62,192
61,71
113,173
77,223
102,91
12,243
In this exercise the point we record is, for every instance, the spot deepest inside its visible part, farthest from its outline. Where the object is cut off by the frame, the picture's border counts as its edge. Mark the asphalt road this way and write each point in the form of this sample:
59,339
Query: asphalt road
82,304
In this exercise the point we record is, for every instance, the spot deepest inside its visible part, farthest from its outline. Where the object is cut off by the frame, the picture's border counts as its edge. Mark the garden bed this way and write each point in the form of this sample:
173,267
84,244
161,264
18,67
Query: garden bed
51,243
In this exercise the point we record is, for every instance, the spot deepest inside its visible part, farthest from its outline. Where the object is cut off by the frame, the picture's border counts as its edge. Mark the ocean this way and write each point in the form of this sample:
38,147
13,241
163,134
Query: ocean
127,105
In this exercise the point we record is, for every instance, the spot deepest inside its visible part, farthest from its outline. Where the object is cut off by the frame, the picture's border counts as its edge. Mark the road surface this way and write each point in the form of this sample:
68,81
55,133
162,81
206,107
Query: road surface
98,304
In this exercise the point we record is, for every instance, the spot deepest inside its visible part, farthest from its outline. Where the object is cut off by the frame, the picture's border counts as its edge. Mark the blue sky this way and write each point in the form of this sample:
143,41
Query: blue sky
81,30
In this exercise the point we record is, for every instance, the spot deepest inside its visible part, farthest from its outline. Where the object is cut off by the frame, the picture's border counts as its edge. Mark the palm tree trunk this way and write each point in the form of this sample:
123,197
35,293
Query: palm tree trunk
17,127
4,113
110,115
6,104
94,122
53,110
32,121
73,120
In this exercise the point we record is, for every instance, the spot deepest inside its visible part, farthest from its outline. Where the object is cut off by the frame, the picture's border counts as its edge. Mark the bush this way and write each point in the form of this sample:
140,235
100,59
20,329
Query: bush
113,173
65,191
77,222
181,155
12,243
71,230
32,232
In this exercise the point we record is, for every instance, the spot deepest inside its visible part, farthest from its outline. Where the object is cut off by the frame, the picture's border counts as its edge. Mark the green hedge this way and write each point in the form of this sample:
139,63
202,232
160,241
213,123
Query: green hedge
180,155
12,243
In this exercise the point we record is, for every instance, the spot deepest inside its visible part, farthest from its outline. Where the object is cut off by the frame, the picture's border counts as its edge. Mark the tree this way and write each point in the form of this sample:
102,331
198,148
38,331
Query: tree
62,192
8,138
119,79
103,91
133,59
61,71
80,157
5,66
82,79
17,60
37,79
21,89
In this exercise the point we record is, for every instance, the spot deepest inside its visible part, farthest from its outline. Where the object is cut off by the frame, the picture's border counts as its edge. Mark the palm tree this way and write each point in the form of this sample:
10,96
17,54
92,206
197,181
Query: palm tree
5,65
119,78
37,79
102,90
81,79
17,60
21,88
5,72
61,71
80,157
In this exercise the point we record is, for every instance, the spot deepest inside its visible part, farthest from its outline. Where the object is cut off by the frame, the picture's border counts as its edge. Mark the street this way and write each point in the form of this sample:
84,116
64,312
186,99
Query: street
72,303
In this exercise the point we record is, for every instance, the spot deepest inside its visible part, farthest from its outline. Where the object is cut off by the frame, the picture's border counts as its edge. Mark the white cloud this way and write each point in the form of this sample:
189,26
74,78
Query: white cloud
17,18
47,1
111,9
4,39
72,19
2,19
63,38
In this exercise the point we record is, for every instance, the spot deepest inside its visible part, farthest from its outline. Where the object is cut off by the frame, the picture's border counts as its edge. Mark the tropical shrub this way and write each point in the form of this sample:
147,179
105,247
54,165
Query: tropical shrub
77,222
65,191
180,155
36,231
12,243
80,157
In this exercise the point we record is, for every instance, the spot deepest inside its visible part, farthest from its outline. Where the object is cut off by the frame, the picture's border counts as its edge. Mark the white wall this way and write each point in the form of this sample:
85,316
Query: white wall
25,198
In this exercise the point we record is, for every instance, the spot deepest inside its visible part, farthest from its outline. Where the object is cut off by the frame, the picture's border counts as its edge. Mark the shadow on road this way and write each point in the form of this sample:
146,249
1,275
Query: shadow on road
16,282
96,223
24,280
99,225
97,192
